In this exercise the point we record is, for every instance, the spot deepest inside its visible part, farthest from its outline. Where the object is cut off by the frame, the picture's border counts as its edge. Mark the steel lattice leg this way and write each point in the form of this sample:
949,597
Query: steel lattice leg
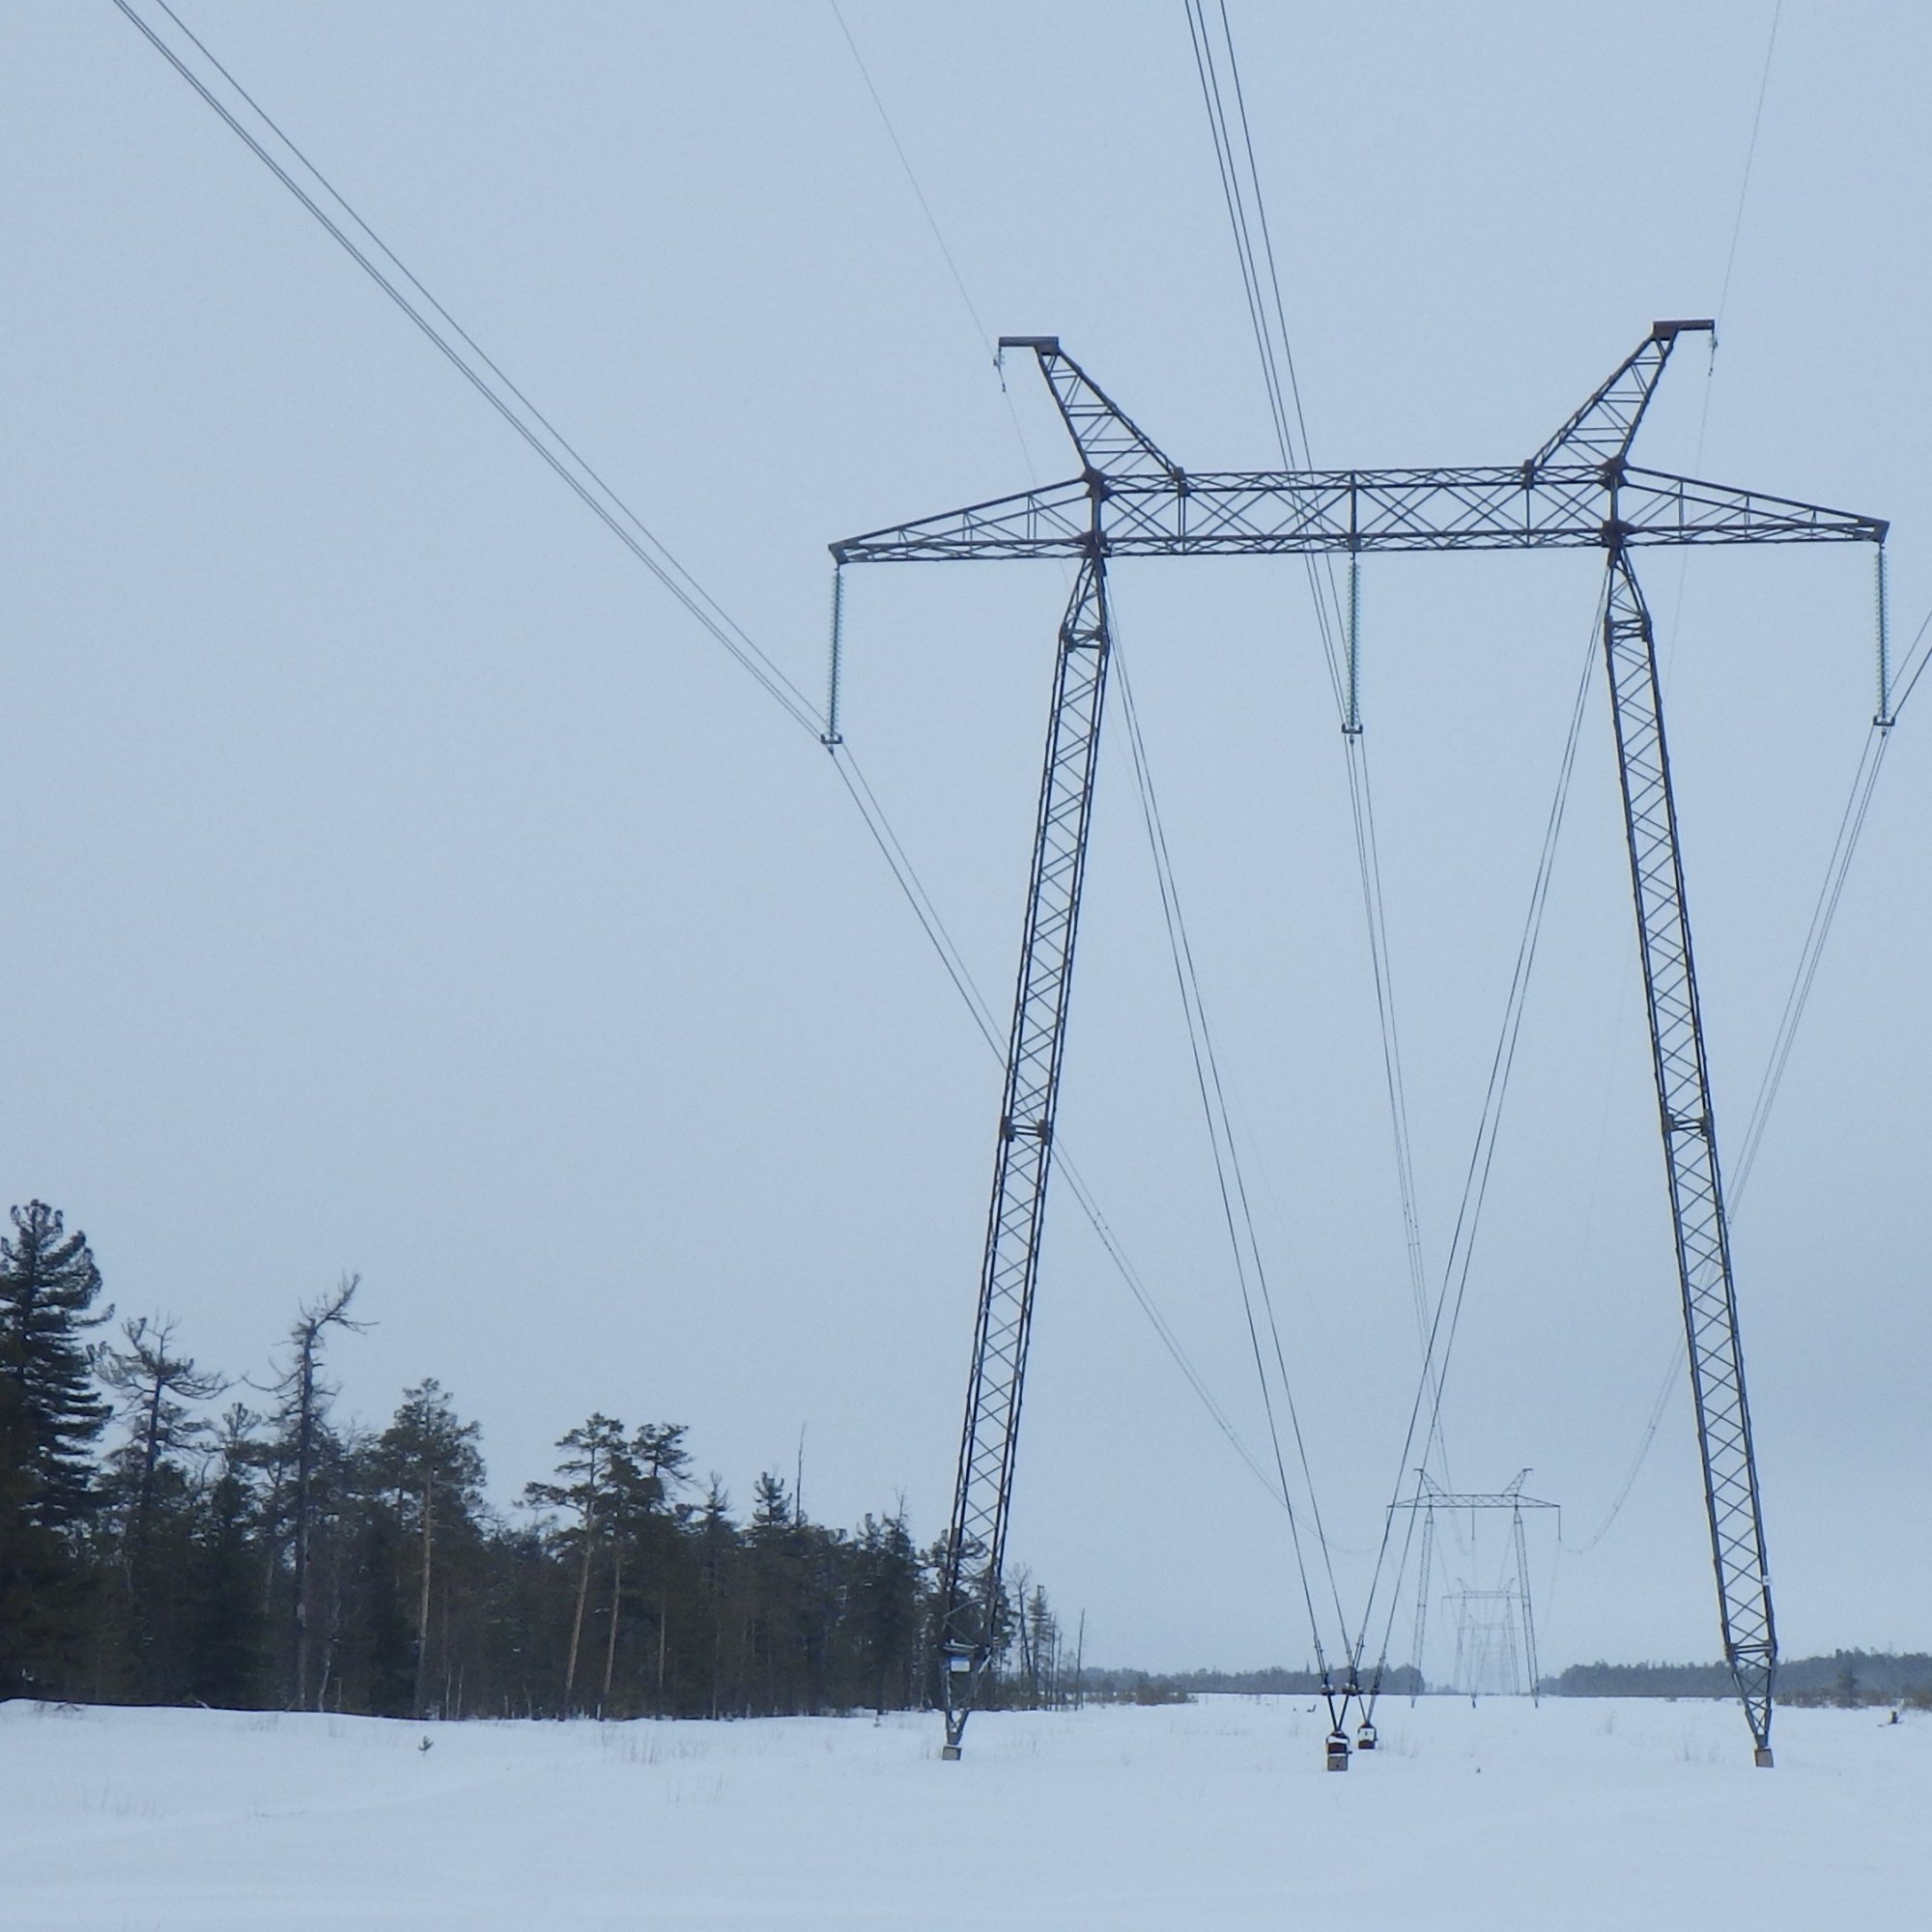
1690,1152
1528,1610
1422,1600
976,1544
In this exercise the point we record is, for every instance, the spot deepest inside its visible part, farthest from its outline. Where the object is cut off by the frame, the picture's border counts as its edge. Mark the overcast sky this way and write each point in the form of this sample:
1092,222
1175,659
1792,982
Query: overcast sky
403,883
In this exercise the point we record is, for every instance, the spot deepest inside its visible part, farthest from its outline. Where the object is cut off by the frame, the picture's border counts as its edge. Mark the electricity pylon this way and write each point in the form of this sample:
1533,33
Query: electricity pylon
1580,490
1429,1497
1486,1627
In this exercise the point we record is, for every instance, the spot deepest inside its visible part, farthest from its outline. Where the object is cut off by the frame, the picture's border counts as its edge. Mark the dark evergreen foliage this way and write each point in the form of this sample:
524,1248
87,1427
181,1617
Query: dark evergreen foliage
1846,1677
251,1560
51,1415
260,1561
48,1285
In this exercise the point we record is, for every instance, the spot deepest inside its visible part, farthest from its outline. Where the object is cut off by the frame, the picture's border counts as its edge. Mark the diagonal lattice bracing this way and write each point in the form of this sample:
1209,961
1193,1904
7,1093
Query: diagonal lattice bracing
1325,512
1690,1149
976,1545
1580,490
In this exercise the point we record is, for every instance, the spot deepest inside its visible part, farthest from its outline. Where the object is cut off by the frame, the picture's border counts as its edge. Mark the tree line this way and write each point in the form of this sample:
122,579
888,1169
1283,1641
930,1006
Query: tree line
1849,1678
165,1539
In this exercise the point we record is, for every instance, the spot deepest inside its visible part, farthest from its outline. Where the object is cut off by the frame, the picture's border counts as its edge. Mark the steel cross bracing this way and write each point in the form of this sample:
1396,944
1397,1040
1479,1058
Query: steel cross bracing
1690,1149
1429,1497
1146,505
1476,1637
976,1543
1131,498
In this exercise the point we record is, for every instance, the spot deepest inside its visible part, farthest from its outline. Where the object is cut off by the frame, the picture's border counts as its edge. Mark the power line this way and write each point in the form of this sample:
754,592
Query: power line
1229,1176
980,333
1851,826
561,458
1750,156
567,462
1268,315
1718,314
906,876
1906,685
1476,1180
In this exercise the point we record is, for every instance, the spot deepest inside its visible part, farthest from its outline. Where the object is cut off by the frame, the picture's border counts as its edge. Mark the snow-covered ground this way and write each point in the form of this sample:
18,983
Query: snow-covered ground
1212,1815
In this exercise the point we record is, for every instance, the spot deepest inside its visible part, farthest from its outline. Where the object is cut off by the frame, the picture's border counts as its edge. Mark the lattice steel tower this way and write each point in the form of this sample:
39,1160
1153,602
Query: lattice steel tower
1431,1496
1580,490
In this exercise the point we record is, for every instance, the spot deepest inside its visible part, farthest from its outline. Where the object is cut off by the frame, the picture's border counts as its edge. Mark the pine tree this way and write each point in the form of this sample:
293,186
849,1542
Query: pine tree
226,1617
155,1386
718,1548
776,1588
595,1446
662,1464
889,1605
50,1416
49,1284
155,1493
429,1464
305,1399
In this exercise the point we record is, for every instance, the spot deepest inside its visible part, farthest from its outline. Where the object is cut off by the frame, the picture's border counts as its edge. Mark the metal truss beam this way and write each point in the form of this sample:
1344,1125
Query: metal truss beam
976,1545
1578,491
1429,1494
1315,512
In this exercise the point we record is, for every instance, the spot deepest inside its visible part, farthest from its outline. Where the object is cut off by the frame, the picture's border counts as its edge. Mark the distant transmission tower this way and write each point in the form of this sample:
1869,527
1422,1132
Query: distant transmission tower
1488,1623
1429,1498
1578,490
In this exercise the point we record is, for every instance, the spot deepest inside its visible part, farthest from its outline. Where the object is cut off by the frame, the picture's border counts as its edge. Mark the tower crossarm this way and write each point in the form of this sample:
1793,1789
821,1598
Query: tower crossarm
1287,513
1430,1495
1445,1499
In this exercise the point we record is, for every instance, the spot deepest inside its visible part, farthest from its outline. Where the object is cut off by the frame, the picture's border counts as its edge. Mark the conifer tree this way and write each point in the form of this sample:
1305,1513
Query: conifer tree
226,1618
428,1463
305,1399
50,1417
155,1386
155,1492
48,1285
890,1603
596,1446
663,1463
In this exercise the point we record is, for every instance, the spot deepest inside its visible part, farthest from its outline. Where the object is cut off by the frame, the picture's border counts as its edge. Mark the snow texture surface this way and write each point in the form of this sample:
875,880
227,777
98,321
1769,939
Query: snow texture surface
1212,1815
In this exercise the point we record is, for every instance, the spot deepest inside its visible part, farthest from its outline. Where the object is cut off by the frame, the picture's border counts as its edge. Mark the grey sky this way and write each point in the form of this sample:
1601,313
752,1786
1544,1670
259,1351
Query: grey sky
403,883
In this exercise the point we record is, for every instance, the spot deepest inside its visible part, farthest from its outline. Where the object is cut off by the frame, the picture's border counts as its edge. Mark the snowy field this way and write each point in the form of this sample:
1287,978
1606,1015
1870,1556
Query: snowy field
1217,1814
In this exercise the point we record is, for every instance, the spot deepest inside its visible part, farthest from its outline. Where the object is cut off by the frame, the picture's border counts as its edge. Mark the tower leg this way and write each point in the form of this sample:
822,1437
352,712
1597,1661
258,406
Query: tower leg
1528,1610
1690,1150
1422,1600
976,1545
